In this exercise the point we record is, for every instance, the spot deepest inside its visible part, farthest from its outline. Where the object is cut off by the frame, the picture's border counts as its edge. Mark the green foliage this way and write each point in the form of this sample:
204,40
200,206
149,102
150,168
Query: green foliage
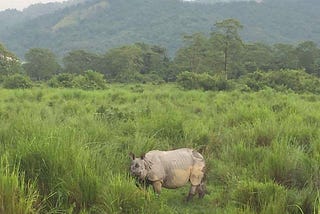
9,63
307,53
113,114
63,80
265,197
203,81
67,149
79,61
90,24
197,55
126,198
16,196
287,166
17,81
295,80
136,63
41,64
228,42
225,51
91,80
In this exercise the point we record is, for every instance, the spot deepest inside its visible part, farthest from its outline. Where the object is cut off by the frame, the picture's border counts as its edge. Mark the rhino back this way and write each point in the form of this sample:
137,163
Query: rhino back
177,166
173,167
177,159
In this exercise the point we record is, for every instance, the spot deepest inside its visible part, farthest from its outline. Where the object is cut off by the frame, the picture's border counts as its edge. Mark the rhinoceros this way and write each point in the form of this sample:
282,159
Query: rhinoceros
170,169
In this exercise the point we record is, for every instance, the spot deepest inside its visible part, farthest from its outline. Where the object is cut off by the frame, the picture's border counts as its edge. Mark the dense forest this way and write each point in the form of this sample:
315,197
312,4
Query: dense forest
98,25
220,61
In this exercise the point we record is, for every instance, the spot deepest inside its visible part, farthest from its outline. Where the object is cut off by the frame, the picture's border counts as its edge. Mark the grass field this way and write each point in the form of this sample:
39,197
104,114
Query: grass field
66,150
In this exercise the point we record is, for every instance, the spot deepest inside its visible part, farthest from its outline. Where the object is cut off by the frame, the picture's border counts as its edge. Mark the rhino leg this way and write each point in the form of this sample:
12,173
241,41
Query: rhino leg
197,179
157,187
192,192
201,190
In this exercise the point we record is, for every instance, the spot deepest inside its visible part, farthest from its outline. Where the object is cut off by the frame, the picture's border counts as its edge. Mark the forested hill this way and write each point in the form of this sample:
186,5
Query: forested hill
98,25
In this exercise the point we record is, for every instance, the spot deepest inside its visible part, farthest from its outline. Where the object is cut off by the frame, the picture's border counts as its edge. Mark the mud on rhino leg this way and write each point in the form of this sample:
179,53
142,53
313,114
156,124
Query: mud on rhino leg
192,192
157,187
201,190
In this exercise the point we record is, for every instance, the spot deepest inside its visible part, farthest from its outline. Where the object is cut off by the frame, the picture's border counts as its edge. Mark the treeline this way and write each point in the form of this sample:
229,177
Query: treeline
214,62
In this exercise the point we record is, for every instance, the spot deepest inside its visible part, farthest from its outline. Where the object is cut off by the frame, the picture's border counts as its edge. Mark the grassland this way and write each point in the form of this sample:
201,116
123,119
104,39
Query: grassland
66,150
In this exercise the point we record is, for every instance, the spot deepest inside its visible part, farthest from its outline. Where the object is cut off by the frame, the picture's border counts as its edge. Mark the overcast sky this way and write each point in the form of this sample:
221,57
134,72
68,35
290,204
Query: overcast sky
20,4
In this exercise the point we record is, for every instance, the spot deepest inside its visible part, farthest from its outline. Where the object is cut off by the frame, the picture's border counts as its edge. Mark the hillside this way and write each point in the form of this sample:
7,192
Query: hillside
98,25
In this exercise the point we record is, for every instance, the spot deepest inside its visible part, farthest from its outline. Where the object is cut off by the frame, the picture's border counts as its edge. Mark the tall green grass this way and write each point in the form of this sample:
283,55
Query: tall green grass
16,195
66,150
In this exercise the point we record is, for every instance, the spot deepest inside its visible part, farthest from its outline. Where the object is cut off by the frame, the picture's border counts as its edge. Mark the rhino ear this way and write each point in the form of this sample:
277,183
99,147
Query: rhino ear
142,156
132,156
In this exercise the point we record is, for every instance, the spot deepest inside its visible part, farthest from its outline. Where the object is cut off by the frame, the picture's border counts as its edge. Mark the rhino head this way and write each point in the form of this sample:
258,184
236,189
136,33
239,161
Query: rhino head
138,167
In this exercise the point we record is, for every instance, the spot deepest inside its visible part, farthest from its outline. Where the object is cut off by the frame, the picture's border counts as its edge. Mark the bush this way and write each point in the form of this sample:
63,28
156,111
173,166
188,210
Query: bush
91,81
295,80
17,81
204,81
64,80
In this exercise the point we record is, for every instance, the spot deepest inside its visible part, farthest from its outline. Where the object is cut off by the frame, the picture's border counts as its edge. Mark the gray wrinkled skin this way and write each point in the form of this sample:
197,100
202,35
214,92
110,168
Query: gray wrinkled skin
171,169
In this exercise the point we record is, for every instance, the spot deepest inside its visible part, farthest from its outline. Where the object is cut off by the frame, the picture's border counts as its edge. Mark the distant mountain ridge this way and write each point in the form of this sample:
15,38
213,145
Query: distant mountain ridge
97,25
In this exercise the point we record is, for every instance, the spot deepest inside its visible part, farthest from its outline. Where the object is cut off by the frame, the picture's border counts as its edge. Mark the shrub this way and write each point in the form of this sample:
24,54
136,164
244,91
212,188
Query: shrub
204,81
17,81
91,81
295,80
64,80
255,81
188,80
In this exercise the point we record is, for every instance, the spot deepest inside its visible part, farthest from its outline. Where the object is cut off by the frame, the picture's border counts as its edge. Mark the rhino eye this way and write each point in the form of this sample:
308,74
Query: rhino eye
137,165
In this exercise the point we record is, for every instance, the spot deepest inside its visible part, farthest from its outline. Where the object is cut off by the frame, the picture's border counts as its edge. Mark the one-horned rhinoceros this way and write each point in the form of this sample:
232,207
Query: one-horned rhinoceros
171,169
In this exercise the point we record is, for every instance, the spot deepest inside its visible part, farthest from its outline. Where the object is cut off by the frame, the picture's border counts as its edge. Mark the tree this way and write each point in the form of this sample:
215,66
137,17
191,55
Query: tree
41,64
226,33
308,53
155,60
9,63
123,63
284,57
79,61
194,56
257,56
17,81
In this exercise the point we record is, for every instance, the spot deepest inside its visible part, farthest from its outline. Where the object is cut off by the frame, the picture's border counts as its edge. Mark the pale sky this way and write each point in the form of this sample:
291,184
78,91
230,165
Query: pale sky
21,4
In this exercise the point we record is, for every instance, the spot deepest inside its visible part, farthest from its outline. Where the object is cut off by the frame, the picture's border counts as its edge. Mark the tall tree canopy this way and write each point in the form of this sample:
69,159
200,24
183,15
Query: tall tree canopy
228,40
9,63
41,64
79,61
